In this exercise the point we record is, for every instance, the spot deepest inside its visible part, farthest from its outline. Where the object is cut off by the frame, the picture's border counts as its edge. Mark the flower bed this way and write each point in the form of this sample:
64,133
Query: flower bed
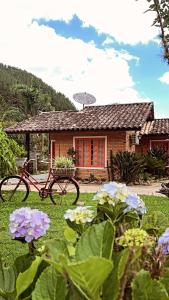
128,246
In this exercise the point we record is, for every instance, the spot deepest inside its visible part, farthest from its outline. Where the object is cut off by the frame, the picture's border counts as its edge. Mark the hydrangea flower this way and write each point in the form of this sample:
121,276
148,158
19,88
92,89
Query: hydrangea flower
163,242
135,237
113,193
79,215
136,203
29,224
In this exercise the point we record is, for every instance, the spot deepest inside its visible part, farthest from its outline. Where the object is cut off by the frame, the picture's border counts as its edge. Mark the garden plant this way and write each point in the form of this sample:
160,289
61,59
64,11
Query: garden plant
111,250
63,162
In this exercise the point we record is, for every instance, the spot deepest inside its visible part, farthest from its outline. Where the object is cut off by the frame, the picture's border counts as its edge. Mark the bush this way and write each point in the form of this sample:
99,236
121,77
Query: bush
127,166
9,150
117,252
156,161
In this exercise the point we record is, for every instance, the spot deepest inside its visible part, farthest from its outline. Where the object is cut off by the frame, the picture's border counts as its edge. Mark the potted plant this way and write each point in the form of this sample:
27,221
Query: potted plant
64,166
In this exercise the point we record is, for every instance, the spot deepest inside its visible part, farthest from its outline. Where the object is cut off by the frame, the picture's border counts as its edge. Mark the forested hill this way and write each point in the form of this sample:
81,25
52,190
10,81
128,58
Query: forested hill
23,95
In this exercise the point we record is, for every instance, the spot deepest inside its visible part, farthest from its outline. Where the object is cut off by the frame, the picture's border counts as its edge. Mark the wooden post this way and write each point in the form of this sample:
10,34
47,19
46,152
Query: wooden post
27,145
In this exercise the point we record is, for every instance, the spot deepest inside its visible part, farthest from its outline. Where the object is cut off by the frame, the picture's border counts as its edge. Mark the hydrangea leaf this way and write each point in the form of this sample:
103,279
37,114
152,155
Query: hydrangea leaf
50,285
145,288
111,287
7,279
26,278
70,235
55,248
85,277
97,240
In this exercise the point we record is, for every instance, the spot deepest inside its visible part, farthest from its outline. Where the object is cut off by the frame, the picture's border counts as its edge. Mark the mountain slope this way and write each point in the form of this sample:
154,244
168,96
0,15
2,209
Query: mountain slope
22,95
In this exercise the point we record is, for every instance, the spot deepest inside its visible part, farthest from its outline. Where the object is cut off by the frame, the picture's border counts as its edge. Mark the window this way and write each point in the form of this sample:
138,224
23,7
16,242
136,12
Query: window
90,152
160,145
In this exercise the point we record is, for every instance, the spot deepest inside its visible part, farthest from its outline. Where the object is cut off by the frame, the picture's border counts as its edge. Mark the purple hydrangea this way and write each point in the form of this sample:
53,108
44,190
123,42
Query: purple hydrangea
29,224
163,242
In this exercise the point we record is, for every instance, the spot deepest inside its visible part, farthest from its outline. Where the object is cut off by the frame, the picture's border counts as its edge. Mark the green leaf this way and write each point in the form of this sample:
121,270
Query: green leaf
145,288
97,240
112,284
155,221
23,262
55,248
70,235
7,278
111,287
89,275
50,286
25,279
124,256
165,280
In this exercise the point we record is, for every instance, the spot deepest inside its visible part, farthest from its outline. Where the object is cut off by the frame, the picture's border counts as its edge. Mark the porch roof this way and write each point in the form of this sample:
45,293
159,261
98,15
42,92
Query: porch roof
115,116
156,127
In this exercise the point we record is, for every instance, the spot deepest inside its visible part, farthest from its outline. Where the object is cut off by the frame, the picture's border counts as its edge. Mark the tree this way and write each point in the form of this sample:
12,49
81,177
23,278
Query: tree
161,8
30,96
9,149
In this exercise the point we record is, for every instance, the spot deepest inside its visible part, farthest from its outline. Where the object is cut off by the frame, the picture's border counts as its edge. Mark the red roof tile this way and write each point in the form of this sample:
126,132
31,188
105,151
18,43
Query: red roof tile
115,116
156,127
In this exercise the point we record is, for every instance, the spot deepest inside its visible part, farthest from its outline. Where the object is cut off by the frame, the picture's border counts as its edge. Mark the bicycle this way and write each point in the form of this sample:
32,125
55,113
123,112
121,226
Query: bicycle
18,186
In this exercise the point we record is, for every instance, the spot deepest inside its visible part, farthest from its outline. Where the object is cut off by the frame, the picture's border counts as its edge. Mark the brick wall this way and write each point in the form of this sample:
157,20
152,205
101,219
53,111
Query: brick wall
116,141
144,145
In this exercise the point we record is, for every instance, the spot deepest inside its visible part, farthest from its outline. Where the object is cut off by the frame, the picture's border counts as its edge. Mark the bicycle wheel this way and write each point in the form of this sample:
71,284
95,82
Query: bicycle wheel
64,188
14,188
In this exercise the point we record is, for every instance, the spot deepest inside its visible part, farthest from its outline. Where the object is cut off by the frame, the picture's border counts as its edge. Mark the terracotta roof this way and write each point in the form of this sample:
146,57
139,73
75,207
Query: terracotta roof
115,116
156,127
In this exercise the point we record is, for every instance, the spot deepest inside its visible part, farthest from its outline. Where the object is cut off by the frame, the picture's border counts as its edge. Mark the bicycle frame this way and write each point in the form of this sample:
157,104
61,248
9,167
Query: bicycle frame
32,181
45,188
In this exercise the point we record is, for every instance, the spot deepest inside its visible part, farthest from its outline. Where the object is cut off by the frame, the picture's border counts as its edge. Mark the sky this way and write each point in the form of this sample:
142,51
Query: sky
107,48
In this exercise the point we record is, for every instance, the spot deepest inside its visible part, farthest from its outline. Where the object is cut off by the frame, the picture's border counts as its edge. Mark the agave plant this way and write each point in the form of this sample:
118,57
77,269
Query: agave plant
128,166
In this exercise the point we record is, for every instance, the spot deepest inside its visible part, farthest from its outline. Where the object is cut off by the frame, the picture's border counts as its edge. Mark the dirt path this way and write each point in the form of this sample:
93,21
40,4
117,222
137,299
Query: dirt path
139,189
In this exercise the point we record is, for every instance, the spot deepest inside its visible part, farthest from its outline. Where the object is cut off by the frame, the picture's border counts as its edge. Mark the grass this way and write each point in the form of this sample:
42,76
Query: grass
10,249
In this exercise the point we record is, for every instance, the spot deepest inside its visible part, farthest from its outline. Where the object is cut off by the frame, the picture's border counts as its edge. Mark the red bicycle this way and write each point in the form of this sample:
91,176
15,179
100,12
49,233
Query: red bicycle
16,187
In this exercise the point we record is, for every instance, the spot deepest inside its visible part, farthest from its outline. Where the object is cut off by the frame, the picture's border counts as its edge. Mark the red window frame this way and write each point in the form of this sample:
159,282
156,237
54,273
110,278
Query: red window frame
90,152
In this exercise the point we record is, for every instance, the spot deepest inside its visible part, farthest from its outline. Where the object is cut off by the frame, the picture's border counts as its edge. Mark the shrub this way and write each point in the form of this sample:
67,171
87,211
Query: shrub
156,161
9,150
127,166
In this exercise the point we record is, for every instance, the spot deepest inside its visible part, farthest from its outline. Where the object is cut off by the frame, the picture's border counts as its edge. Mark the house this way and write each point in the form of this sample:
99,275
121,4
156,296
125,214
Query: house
96,130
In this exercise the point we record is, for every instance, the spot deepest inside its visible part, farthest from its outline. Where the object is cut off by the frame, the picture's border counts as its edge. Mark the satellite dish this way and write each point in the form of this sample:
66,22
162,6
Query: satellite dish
84,98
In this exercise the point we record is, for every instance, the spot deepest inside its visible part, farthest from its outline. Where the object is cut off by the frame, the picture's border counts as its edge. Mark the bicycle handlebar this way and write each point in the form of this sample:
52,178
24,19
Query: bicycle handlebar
27,161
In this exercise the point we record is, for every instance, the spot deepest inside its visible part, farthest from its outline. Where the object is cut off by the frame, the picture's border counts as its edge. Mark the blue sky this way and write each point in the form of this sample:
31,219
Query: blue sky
83,46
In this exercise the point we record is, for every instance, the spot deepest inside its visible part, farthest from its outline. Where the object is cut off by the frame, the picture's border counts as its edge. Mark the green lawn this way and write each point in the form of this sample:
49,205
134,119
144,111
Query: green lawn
10,249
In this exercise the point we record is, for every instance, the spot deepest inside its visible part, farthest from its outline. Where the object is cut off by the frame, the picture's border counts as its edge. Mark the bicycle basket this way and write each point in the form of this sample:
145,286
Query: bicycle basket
20,161
69,172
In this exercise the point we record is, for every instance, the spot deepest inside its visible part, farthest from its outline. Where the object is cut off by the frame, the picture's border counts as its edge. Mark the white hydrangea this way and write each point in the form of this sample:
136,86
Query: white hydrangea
79,215
113,193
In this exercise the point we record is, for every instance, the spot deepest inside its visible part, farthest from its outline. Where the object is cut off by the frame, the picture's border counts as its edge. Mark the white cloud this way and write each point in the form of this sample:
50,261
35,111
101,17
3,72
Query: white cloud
123,20
165,78
71,65
108,41
127,56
